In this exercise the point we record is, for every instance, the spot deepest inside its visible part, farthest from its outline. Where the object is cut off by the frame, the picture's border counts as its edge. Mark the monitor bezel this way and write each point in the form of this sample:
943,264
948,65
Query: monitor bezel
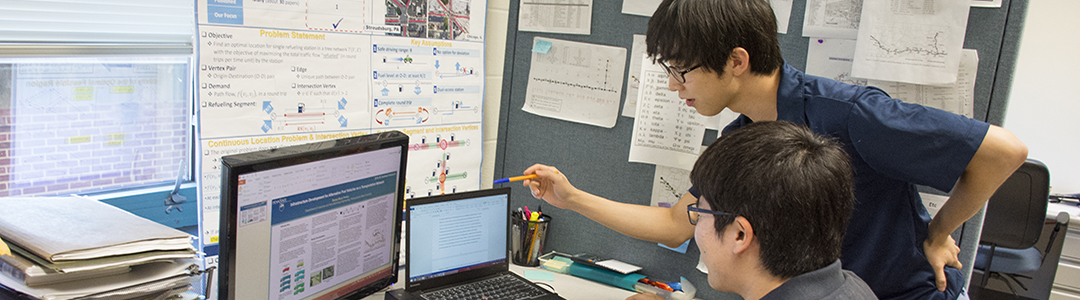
235,165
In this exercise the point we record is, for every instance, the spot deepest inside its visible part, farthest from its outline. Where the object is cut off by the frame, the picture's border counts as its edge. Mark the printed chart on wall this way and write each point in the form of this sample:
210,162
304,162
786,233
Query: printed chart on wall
832,58
275,73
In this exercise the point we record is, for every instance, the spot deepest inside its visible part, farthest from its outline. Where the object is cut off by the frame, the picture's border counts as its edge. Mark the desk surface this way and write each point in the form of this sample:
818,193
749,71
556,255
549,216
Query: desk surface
569,287
1053,209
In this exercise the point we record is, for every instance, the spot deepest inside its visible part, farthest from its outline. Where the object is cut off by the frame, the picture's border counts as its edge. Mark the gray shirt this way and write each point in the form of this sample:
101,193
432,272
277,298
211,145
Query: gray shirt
829,282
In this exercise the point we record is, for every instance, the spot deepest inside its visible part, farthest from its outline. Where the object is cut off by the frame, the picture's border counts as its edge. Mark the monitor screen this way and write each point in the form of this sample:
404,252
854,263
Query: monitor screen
314,221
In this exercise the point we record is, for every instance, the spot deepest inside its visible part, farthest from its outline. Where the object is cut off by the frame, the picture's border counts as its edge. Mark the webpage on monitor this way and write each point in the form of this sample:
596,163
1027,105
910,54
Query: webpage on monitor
316,230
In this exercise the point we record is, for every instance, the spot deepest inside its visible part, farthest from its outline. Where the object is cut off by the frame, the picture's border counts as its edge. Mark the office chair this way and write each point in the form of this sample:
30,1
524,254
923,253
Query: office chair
1013,222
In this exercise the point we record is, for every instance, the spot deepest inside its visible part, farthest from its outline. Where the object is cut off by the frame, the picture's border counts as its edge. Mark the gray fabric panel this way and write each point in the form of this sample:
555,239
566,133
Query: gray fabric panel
1010,48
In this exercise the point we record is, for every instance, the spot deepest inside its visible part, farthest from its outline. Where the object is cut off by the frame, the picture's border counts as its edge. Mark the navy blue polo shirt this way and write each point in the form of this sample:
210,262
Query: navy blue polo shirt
893,146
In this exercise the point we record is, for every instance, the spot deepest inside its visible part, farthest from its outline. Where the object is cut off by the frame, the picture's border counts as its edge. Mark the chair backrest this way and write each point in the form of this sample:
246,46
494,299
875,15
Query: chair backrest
1016,213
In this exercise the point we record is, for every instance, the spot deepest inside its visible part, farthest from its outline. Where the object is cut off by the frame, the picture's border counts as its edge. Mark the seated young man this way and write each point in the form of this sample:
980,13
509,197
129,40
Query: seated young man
774,206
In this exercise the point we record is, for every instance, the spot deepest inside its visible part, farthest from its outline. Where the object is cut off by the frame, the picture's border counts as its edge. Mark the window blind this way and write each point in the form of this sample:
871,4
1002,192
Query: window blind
96,26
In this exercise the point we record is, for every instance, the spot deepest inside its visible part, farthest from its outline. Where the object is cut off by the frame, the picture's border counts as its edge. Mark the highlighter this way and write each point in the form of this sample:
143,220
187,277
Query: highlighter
4,250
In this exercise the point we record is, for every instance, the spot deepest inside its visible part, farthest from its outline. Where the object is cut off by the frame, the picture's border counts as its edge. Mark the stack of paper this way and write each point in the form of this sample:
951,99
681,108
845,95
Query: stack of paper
80,248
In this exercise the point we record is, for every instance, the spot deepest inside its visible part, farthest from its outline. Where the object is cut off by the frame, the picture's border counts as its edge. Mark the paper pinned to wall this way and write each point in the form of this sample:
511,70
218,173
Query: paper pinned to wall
640,7
633,79
957,98
577,82
782,10
721,120
669,184
831,58
986,3
633,85
556,16
666,131
832,18
911,41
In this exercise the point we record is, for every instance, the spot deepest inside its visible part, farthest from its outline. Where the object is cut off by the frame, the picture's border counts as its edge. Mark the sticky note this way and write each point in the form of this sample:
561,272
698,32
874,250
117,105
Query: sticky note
542,46
538,275
681,248
4,249
562,259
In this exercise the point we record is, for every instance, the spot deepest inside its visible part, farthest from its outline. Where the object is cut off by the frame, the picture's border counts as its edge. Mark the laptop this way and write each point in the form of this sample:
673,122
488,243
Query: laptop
458,248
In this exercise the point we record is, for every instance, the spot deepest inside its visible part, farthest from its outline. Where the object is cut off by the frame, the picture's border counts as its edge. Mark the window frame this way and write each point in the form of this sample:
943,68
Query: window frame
115,28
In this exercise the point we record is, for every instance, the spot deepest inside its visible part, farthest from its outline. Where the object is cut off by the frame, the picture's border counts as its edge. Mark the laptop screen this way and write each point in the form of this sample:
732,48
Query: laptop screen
450,237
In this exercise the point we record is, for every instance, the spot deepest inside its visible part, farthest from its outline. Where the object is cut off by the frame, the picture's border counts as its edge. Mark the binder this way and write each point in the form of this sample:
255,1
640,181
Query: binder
141,280
72,228
32,275
74,247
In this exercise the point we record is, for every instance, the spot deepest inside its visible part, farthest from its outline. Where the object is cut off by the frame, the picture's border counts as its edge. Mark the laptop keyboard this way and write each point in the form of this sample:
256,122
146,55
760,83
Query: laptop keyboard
502,287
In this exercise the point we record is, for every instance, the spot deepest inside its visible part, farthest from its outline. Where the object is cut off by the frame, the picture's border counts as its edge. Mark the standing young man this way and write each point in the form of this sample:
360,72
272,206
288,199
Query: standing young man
765,188
725,54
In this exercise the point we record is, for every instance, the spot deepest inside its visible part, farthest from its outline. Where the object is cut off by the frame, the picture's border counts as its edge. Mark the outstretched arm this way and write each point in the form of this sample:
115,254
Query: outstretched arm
668,226
999,155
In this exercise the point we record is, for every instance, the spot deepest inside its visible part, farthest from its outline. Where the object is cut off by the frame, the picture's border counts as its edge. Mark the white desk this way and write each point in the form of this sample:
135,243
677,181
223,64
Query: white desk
568,286
1067,280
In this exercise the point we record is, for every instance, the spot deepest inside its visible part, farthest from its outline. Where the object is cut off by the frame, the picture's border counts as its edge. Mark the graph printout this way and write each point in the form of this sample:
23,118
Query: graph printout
576,82
637,57
669,185
957,97
911,41
831,58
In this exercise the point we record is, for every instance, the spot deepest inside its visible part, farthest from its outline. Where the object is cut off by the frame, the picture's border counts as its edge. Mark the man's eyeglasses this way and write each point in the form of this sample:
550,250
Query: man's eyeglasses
680,76
692,212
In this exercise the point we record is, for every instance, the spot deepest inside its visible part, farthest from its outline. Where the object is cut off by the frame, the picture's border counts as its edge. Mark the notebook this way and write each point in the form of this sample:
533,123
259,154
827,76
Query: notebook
460,241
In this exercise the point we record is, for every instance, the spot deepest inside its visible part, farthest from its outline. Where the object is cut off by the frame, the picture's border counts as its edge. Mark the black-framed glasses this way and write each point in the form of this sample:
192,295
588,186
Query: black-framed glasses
680,76
692,212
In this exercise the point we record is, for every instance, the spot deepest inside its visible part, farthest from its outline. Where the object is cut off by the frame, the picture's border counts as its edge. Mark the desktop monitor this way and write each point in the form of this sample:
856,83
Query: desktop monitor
314,221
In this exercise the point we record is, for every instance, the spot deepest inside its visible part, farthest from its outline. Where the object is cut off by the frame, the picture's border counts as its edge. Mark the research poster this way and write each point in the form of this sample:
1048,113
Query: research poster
274,73
348,238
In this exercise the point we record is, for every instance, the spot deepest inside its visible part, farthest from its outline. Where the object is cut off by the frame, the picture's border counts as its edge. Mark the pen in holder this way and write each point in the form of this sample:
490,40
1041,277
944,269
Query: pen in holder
527,239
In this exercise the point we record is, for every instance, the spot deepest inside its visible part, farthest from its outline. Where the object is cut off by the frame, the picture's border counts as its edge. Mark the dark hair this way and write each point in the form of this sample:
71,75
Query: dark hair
794,187
705,32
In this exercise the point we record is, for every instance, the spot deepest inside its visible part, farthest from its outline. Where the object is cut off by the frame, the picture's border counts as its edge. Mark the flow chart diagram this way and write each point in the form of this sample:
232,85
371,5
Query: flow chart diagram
440,178
301,117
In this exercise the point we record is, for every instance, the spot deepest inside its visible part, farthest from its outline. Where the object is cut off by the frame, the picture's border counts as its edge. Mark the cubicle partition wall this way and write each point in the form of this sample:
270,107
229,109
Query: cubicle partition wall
595,158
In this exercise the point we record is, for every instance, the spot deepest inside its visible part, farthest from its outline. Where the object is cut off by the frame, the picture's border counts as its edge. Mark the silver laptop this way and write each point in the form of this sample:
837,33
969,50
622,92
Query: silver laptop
458,248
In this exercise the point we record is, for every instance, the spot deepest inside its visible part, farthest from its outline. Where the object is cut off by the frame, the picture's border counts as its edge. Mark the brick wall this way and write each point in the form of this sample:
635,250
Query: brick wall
68,136
5,128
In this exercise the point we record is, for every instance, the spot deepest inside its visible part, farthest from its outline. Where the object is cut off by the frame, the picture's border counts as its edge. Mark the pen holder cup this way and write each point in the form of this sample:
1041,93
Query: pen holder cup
527,240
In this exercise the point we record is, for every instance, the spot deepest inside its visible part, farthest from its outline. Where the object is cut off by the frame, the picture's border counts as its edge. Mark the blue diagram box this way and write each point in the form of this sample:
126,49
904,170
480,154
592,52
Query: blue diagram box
225,12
